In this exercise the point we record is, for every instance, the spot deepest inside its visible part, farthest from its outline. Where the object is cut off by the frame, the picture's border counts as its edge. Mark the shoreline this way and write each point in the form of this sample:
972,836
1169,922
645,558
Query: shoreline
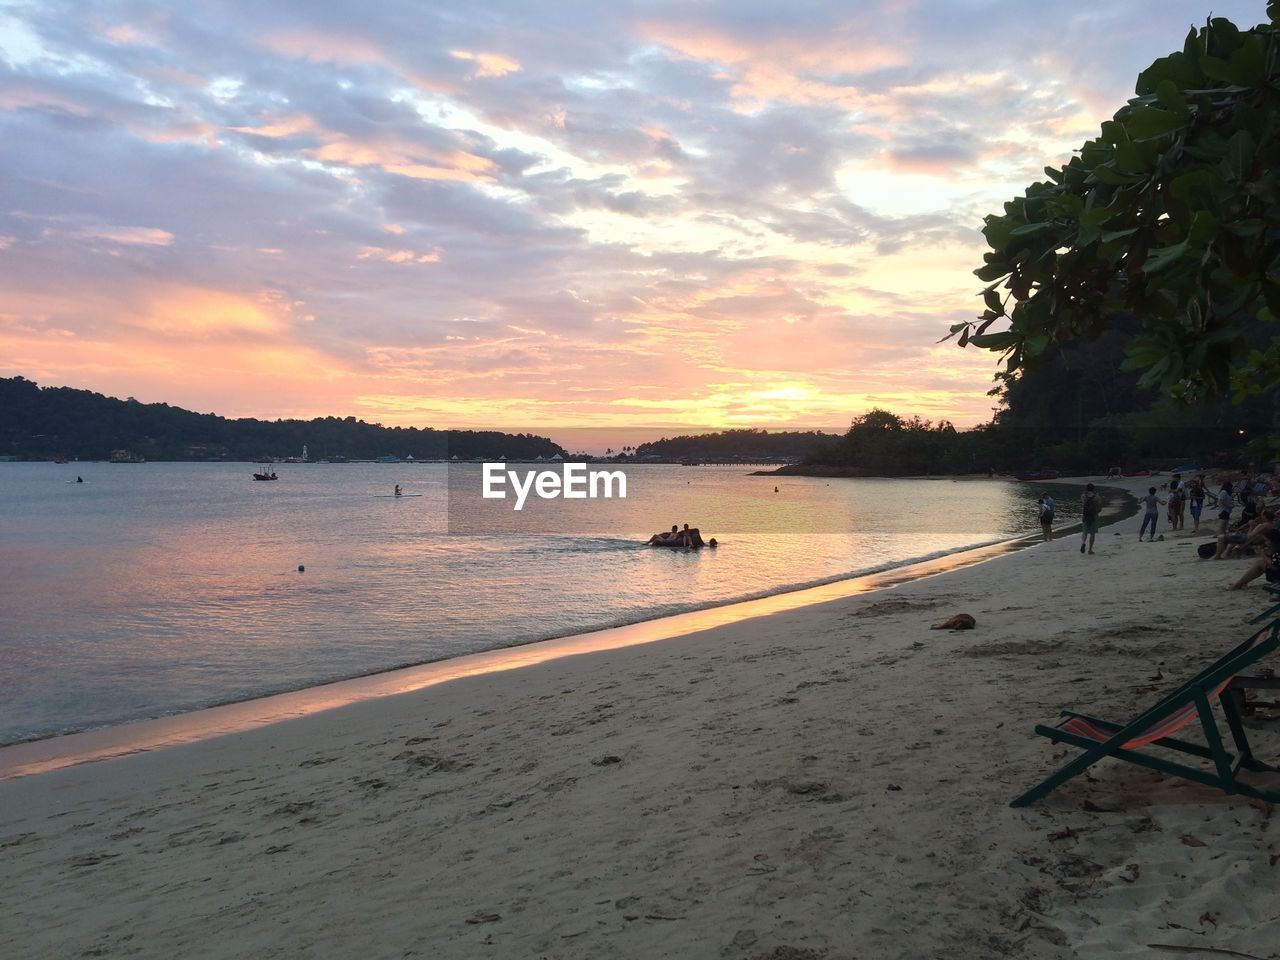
41,754
824,782
90,744
412,625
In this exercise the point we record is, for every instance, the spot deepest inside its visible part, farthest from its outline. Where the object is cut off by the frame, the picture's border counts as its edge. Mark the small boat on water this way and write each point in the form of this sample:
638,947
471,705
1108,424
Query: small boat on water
268,472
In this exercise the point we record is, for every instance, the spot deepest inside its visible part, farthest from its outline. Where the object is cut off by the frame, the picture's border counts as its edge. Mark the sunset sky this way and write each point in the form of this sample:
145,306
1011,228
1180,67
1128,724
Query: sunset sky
534,213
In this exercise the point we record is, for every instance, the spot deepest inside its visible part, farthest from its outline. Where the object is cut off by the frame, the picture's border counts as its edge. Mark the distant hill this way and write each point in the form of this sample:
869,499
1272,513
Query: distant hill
747,445
41,423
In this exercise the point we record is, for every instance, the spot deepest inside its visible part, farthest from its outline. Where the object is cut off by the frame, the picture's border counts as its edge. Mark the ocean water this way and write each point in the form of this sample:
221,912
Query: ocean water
152,589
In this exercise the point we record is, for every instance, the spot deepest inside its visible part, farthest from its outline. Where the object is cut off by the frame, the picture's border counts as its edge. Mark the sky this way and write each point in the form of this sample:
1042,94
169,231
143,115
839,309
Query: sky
531,214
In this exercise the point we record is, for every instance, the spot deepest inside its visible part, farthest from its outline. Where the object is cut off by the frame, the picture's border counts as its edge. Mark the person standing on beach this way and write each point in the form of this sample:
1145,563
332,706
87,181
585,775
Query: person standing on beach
1196,496
1177,495
1046,515
1150,513
1225,499
1090,507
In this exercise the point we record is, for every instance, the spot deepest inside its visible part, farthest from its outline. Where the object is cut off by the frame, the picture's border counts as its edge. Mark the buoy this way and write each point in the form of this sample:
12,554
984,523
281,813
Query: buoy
301,568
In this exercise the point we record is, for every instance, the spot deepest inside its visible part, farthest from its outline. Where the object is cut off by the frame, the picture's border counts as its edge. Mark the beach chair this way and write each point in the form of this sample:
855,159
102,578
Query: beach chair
1156,726
1272,611
1264,681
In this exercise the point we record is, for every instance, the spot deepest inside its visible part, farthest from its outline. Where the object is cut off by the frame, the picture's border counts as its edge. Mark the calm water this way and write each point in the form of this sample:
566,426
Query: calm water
156,588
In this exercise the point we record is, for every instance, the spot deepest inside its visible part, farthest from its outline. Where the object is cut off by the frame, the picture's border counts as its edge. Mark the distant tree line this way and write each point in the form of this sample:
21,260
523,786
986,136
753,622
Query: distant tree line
46,422
736,445
1078,412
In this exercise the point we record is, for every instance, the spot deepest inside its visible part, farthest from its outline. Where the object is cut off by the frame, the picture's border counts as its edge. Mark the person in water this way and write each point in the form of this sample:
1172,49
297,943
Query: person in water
79,479
665,537
398,493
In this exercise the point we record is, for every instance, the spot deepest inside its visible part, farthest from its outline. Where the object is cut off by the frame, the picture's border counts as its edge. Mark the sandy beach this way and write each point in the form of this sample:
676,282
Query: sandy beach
828,782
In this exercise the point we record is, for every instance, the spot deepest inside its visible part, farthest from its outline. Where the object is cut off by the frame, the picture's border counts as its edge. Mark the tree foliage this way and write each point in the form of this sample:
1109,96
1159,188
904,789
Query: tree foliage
880,443
1172,215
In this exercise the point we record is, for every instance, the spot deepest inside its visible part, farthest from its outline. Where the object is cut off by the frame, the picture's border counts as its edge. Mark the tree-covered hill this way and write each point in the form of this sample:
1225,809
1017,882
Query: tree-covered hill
45,422
744,445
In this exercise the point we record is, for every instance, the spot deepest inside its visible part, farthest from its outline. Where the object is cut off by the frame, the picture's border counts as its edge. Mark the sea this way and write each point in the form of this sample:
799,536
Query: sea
157,588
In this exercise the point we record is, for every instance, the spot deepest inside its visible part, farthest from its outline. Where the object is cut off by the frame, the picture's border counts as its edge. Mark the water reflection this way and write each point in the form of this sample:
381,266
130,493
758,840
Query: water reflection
45,755
156,588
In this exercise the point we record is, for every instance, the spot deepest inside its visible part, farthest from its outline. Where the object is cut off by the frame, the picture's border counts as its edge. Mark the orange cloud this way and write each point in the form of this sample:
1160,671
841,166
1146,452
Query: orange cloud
202,315
780,68
487,64
123,33
129,236
409,160
398,256
285,126
25,95
319,47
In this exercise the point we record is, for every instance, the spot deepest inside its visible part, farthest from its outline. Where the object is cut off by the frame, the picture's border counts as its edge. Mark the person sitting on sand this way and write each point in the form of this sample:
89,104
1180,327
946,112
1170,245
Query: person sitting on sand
1246,536
1268,563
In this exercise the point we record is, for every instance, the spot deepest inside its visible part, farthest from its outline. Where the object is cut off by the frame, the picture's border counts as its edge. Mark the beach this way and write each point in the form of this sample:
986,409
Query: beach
826,782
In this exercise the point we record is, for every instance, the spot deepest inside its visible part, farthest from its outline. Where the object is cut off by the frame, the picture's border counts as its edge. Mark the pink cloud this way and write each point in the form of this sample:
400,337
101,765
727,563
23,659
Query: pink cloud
129,236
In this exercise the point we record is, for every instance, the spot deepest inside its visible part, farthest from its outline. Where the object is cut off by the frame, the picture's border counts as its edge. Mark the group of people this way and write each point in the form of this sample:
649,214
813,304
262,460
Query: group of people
1183,497
1257,529
688,537
1090,509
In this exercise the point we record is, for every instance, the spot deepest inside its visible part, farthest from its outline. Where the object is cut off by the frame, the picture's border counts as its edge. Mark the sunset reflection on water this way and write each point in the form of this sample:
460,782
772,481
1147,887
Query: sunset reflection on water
154,589
52,754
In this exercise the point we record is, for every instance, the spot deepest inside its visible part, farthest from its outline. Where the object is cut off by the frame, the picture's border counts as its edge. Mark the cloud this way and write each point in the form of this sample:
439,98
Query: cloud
141,236
591,212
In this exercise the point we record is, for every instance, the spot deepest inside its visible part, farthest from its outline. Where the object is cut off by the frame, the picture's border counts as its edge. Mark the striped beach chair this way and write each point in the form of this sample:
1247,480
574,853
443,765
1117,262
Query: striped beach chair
1156,726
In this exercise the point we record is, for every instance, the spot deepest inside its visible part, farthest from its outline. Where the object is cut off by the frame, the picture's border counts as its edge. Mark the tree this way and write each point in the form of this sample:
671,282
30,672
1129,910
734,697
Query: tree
1172,214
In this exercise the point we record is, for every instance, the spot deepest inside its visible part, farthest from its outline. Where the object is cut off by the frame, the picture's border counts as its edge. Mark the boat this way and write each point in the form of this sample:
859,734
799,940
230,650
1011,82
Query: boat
1137,473
1039,475
389,458
268,472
